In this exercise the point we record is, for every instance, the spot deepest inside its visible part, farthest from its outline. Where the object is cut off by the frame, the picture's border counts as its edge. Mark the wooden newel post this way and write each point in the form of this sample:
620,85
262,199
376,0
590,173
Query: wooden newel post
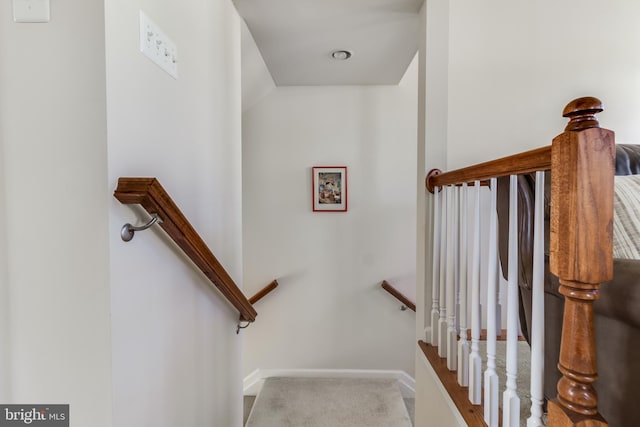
581,254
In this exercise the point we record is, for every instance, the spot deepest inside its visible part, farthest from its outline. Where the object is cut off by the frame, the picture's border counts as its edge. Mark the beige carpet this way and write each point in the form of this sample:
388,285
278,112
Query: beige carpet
329,402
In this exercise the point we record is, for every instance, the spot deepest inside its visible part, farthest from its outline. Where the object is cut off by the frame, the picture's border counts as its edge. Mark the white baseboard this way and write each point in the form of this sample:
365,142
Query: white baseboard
254,381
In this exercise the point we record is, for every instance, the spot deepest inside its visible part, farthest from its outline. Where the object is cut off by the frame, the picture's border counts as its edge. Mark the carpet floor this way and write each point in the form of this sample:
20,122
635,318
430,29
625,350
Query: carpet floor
332,402
329,402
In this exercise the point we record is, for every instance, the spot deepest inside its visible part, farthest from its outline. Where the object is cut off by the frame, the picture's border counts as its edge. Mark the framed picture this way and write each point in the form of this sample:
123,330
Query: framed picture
329,188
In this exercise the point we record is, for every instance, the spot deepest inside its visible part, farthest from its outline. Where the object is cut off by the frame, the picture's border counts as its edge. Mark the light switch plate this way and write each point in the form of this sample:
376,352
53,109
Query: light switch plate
31,11
157,46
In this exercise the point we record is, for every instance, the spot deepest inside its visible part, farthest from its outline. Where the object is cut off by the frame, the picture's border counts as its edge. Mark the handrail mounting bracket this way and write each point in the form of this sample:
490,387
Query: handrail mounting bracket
128,231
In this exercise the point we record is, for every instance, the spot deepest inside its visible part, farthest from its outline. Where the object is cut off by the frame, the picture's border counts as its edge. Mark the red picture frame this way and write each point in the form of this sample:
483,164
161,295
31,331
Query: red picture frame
329,188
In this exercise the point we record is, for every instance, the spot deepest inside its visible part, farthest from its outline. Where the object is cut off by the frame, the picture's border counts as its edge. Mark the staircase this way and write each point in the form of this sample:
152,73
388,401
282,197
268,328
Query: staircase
329,402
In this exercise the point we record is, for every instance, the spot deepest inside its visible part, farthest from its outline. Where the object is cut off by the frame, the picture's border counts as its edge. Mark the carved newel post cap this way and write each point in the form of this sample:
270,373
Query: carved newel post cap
581,113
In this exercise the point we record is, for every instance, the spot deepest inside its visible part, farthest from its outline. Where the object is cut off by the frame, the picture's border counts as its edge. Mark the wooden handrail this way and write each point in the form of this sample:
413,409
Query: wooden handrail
526,162
263,292
398,295
148,193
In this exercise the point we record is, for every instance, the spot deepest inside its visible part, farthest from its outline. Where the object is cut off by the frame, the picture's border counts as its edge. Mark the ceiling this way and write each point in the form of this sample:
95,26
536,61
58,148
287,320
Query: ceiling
296,39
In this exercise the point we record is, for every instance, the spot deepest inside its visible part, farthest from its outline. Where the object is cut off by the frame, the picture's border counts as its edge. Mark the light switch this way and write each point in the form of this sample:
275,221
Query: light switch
157,46
31,11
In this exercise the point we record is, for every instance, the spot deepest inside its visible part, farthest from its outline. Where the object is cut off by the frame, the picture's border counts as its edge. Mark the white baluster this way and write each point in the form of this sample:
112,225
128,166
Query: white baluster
499,298
537,314
452,248
511,401
491,383
456,257
463,343
475,361
435,281
442,321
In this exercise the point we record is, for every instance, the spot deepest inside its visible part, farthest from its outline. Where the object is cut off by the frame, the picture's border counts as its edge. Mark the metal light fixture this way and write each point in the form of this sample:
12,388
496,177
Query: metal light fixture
341,55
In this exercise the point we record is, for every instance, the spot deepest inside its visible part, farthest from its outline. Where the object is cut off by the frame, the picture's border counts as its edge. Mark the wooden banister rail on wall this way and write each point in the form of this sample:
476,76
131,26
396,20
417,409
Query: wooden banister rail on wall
398,295
148,193
261,294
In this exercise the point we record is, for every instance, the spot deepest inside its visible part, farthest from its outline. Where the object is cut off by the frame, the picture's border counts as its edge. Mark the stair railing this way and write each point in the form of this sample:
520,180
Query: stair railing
148,193
581,161
406,302
254,299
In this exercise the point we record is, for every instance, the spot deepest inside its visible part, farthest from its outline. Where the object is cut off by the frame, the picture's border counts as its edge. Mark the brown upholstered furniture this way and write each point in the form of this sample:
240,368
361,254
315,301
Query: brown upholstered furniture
617,312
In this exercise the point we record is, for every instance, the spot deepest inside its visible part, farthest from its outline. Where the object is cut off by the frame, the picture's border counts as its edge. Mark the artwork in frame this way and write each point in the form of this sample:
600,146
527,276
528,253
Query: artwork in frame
329,188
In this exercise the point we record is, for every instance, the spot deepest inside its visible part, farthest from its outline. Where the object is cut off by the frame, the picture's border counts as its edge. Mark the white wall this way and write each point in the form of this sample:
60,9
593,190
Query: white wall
63,291
434,407
514,66
5,337
53,171
432,137
433,95
256,78
329,311
176,357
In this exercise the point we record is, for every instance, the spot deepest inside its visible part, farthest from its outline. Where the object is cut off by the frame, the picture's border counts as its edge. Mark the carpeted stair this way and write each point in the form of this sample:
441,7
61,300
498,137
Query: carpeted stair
329,402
